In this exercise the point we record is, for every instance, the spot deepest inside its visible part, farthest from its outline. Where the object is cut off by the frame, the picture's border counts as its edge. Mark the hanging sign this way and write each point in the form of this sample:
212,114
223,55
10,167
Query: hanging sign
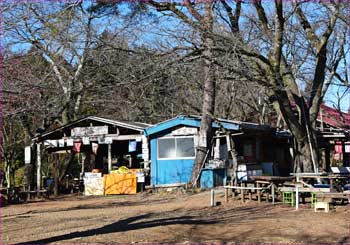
86,140
61,143
27,155
51,143
94,148
77,146
338,148
132,146
106,140
70,142
140,176
347,147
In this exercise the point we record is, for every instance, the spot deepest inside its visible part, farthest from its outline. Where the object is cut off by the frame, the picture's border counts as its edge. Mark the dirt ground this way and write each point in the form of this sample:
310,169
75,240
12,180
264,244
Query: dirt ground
169,218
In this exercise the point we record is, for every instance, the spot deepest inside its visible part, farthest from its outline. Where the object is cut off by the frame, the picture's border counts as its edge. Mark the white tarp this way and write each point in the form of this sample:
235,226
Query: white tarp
93,186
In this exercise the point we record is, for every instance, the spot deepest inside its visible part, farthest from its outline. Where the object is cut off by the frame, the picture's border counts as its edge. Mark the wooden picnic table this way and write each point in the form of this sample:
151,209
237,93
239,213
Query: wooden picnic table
332,191
271,181
333,195
261,184
272,178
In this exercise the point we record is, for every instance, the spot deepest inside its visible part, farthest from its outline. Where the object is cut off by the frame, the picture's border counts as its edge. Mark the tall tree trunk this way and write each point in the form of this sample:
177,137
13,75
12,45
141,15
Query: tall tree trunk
208,104
303,157
305,148
7,175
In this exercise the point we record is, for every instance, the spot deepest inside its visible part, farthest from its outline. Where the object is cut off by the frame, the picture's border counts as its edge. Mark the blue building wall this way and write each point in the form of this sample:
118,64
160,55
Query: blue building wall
212,177
169,171
174,171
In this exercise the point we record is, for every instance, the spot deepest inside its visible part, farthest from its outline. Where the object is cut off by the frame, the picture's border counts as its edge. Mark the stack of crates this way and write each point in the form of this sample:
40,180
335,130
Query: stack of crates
313,199
288,198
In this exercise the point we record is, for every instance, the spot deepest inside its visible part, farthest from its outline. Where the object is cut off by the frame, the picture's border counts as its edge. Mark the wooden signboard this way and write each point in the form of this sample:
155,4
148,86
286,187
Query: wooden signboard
89,131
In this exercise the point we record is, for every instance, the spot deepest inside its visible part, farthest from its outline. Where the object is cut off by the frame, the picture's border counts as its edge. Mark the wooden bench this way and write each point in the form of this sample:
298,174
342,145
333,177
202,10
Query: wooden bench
242,189
333,195
30,194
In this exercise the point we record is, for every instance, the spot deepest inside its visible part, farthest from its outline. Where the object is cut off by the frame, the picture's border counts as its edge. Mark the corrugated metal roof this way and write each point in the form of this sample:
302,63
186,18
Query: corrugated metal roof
125,124
132,125
334,117
194,120
244,125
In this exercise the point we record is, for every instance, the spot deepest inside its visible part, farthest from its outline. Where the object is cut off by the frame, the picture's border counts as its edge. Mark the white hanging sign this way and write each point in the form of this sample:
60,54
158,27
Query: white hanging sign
27,155
347,148
106,140
94,147
86,141
70,142
51,143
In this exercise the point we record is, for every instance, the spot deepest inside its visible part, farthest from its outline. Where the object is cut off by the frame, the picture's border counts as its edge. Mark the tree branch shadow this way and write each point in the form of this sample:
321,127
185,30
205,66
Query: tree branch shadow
124,225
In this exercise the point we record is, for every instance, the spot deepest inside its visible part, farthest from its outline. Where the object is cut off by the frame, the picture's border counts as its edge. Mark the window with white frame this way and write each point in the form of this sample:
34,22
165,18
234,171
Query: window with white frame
176,147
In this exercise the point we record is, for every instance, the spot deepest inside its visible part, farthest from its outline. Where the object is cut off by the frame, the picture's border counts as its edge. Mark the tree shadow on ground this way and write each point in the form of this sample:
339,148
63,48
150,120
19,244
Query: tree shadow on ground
202,216
124,225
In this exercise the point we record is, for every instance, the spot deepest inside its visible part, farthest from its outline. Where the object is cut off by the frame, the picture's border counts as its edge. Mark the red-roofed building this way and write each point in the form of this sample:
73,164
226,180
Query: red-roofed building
334,137
334,118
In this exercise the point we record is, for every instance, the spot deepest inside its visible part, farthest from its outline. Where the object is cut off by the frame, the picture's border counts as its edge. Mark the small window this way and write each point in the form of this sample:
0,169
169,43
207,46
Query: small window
178,147
166,148
185,147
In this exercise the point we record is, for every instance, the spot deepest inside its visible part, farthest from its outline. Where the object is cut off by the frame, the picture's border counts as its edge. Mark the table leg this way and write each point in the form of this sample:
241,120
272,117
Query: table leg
297,198
259,193
331,182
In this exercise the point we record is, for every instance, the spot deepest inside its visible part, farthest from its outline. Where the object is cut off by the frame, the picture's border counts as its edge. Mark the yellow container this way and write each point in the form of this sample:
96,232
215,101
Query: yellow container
119,184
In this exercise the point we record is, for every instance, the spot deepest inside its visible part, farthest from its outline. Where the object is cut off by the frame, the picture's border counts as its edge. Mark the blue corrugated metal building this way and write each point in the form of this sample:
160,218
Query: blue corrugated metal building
172,146
173,142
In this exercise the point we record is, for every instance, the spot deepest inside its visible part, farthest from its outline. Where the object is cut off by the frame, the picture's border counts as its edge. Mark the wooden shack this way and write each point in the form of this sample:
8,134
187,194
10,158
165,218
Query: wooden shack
101,144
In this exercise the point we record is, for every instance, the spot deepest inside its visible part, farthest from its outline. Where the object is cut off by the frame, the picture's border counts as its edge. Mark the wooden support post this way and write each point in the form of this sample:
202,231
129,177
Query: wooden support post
259,193
242,193
109,158
82,167
233,194
217,147
273,193
56,173
250,195
267,197
38,168
296,198
212,198
331,184
226,195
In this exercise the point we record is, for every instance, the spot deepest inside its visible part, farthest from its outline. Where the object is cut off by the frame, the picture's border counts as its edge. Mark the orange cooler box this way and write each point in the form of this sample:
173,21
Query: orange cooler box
119,184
